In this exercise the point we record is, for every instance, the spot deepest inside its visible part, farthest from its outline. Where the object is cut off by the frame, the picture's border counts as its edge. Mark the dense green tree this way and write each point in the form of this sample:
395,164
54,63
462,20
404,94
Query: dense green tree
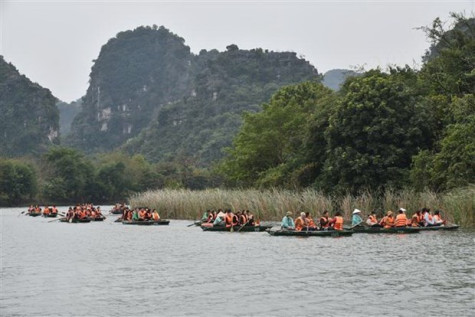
17,182
69,175
270,144
376,129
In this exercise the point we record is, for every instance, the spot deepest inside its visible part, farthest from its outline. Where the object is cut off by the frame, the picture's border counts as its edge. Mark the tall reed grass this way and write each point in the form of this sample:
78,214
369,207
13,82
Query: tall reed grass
457,206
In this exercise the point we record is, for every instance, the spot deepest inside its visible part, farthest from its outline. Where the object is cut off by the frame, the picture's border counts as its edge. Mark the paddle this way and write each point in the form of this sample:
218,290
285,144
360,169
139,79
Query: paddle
55,219
193,224
21,213
243,225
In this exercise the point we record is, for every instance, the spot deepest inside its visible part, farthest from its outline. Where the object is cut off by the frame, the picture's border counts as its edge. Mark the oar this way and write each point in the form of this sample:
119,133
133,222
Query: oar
243,225
21,213
193,224
55,219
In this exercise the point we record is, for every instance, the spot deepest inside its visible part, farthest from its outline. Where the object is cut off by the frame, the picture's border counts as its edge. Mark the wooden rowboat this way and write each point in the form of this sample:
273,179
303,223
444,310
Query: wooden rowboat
75,220
316,233
146,222
34,214
435,228
236,228
396,230
51,215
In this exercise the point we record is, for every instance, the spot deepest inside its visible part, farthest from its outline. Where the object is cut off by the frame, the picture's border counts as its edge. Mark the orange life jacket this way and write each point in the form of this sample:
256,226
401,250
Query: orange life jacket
338,223
141,214
46,211
299,224
156,216
243,219
311,223
401,220
373,219
324,222
229,220
388,222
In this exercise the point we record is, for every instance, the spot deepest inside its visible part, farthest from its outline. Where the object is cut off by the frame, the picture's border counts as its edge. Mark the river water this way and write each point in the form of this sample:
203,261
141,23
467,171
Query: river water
108,269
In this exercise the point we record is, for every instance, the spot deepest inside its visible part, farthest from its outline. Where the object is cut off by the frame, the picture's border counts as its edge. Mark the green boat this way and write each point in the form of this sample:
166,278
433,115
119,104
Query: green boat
146,222
397,230
75,220
310,233
34,214
435,228
51,215
236,228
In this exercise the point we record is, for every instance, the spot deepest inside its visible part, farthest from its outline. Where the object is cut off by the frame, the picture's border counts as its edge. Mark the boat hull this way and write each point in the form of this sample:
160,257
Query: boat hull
34,214
316,233
236,228
75,220
396,230
50,215
146,222
436,228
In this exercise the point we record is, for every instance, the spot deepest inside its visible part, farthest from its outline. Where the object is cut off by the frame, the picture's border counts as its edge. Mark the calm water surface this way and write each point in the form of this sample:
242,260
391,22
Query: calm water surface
108,269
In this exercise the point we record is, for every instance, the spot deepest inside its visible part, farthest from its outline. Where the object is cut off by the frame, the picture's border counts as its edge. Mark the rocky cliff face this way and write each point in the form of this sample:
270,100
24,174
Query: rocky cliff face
150,94
29,117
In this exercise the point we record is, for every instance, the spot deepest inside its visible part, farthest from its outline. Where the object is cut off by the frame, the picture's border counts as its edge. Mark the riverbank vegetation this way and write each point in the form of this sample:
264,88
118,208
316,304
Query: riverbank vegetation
458,206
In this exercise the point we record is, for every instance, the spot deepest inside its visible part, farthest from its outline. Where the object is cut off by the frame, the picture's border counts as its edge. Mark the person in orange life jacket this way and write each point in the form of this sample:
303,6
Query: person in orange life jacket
148,214
309,222
300,222
229,218
438,219
46,210
337,221
416,219
324,220
401,219
55,210
243,218
237,218
155,215
141,214
388,221
372,220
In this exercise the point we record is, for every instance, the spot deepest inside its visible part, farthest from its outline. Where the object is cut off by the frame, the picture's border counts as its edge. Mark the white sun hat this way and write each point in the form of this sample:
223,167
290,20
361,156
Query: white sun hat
356,211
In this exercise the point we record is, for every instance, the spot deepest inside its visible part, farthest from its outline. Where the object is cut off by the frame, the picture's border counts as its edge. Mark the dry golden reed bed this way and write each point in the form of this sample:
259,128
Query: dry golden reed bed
271,205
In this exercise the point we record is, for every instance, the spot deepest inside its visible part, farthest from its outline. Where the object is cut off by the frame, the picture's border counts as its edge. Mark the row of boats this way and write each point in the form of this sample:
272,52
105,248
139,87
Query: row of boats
347,231
73,216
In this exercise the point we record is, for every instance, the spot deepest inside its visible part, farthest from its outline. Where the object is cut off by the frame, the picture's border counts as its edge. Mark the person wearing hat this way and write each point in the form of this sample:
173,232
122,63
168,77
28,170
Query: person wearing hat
388,221
401,219
356,218
300,222
287,222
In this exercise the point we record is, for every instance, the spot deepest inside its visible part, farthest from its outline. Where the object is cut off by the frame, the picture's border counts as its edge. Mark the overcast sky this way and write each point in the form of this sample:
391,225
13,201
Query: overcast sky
54,42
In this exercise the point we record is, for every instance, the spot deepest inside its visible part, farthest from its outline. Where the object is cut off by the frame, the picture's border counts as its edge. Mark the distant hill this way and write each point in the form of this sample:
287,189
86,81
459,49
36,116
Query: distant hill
336,77
67,112
149,94
29,117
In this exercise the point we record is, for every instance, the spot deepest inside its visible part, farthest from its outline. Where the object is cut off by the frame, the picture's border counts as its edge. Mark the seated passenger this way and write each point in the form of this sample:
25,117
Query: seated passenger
300,222
388,221
356,218
337,221
438,219
401,219
309,222
287,222
324,221
372,220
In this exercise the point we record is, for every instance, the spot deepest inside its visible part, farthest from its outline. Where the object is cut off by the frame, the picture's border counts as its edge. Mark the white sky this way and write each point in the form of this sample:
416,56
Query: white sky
54,42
